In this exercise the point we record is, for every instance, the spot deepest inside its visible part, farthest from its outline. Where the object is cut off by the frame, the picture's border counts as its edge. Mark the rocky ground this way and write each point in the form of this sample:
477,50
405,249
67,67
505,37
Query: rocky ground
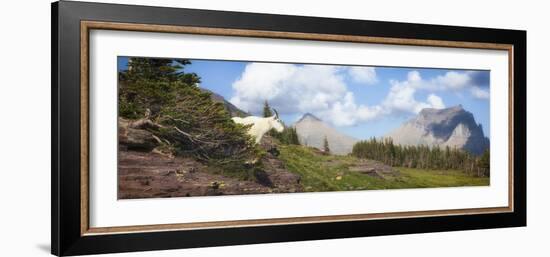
374,169
146,175
144,172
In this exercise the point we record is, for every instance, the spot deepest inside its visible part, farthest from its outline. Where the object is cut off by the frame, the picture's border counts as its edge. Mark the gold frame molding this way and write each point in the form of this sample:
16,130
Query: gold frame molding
87,26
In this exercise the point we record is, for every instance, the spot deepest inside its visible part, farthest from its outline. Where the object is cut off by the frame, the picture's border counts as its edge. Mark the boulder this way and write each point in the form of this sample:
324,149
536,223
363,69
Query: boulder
135,139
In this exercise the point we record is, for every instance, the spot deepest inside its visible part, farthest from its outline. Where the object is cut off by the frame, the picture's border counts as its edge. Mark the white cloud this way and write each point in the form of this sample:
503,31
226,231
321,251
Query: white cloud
435,101
414,77
401,98
479,93
457,81
319,89
452,80
365,75
291,88
346,112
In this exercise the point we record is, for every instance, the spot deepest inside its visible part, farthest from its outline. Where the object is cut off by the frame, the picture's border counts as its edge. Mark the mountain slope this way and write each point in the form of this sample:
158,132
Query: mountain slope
453,127
233,110
312,131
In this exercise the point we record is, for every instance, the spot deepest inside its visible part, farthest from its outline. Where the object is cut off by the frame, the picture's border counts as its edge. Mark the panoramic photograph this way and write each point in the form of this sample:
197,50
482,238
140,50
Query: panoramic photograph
191,127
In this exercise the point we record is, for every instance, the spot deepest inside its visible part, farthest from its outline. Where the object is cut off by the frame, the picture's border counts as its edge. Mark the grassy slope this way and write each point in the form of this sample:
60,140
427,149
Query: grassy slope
330,173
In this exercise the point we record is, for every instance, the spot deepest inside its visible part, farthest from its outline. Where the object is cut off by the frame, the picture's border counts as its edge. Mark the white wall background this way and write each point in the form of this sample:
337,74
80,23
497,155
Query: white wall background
25,127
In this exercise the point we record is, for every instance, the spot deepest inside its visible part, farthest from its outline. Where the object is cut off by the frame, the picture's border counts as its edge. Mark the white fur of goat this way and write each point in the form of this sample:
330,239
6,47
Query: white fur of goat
260,125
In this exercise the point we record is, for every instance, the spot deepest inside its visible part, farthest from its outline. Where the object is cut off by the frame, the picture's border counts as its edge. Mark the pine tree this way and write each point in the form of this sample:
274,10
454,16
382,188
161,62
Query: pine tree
326,148
422,156
289,136
149,83
485,163
293,136
188,121
267,110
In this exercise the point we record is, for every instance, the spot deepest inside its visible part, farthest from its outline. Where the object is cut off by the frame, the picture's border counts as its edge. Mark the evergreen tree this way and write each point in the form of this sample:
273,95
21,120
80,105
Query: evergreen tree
485,163
293,136
187,120
289,136
267,110
422,156
326,148
149,83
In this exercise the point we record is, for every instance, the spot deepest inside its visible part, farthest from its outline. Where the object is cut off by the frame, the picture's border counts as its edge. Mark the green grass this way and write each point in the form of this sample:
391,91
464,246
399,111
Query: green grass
331,173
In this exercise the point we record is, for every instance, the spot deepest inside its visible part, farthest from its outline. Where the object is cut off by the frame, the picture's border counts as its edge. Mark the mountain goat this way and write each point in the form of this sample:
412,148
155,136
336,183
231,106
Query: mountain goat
260,125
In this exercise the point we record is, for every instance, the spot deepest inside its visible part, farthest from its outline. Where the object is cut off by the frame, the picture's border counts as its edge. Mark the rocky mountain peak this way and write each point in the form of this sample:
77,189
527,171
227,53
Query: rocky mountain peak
446,115
453,127
309,116
312,132
442,112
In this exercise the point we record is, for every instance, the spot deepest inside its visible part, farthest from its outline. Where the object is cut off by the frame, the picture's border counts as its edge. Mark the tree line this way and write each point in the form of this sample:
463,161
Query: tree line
422,156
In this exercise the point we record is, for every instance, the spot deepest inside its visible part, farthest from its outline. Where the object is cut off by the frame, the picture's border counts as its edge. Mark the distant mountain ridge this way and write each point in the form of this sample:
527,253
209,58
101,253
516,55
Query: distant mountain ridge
453,127
233,110
312,132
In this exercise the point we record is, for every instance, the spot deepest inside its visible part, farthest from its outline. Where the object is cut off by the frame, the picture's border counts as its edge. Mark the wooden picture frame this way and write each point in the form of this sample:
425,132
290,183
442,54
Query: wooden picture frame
71,25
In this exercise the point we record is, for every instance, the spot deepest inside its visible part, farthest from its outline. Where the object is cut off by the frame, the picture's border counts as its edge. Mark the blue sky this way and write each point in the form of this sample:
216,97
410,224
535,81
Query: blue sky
359,101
